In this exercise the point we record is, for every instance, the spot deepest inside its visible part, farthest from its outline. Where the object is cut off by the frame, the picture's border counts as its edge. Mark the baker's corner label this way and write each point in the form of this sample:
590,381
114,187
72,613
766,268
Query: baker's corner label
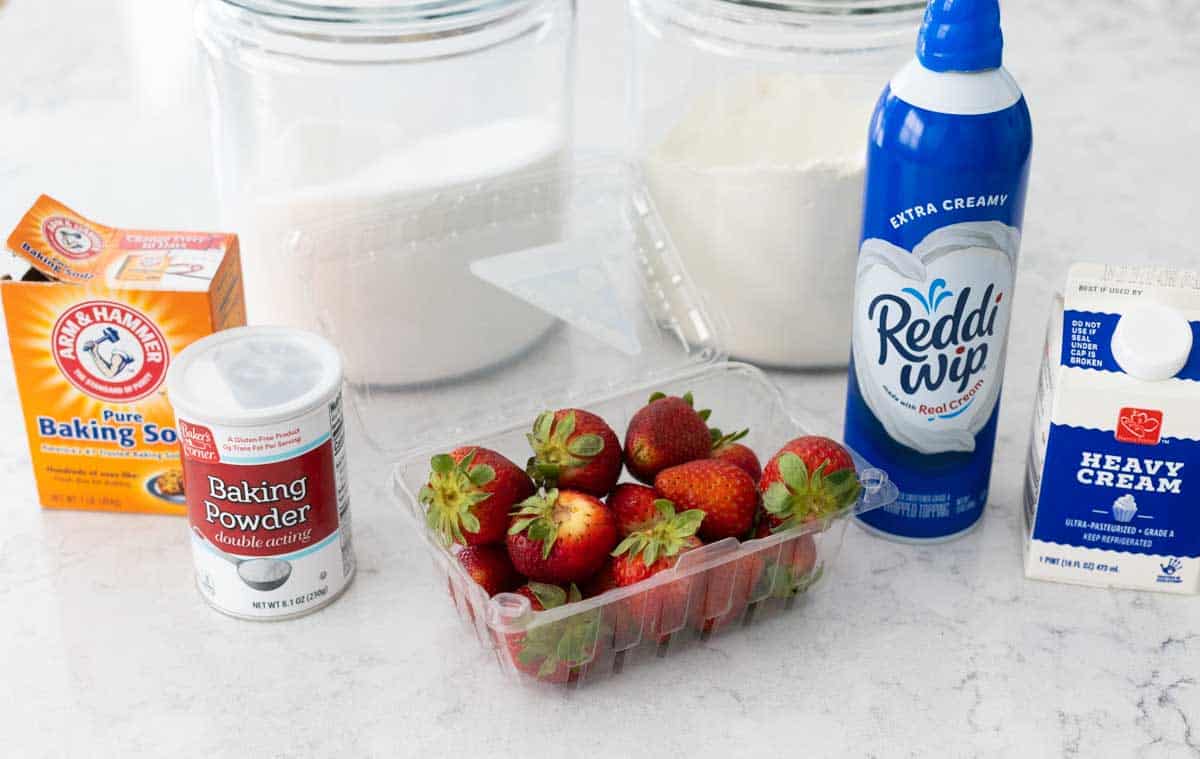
1139,425
929,332
110,351
198,442
71,239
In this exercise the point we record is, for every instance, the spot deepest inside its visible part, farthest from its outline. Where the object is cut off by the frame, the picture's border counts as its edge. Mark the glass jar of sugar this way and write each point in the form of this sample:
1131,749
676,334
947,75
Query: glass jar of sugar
324,112
750,121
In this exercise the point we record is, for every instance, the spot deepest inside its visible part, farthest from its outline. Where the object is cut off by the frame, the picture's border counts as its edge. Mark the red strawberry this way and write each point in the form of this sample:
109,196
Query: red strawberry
727,448
792,571
601,582
470,493
796,569
561,537
664,433
633,506
730,589
649,551
645,553
811,477
559,651
489,566
724,492
574,450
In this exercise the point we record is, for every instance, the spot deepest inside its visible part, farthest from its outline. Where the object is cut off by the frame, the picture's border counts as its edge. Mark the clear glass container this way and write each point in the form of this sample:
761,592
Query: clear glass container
324,112
749,120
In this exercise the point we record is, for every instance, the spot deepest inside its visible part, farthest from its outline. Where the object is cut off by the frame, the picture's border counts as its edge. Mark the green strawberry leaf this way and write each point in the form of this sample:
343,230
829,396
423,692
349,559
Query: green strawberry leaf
794,472
665,508
544,529
482,475
586,446
688,522
470,521
802,584
688,399
626,545
544,473
565,427
656,397
570,642
650,553
777,500
468,461
548,667
839,477
425,495
816,482
442,463
549,596
519,526
704,414
542,426
574,594
720,440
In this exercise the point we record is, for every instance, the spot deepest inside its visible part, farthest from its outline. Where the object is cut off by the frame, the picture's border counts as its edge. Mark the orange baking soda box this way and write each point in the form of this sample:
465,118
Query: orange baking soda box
93,327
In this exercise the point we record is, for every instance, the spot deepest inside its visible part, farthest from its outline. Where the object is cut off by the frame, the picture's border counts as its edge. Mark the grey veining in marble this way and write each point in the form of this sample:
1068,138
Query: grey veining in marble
105,648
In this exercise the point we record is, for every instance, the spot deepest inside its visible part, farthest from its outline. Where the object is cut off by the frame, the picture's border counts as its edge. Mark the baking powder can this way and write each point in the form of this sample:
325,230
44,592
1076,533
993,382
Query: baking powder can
259,415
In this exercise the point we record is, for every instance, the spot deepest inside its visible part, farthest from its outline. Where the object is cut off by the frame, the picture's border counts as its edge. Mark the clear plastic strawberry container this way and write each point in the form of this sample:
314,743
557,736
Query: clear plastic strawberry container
583,250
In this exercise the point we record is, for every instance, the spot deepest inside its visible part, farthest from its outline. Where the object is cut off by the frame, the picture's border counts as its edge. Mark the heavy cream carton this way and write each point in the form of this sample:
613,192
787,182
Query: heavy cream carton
1112,495
93,327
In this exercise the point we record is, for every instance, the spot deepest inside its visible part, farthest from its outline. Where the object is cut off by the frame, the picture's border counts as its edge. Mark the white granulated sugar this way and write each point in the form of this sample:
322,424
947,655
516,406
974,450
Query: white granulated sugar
396,293
760,185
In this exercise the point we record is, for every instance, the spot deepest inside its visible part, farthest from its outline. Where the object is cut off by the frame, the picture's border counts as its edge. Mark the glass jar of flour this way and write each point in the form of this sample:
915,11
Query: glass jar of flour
326,112
750,121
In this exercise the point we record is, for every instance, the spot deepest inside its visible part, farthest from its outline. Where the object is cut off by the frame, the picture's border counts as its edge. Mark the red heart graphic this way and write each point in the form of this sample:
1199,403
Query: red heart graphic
1136,425
1133,426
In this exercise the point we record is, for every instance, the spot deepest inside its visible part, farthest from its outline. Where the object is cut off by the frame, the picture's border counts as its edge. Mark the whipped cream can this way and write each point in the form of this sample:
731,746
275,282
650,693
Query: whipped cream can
1109,496
947,166
259,415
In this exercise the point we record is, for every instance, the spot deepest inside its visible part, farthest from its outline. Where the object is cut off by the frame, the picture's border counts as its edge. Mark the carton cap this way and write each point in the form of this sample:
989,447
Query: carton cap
1152,342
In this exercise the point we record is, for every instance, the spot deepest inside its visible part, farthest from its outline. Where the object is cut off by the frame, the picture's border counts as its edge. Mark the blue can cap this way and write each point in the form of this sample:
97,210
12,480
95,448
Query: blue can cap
961,35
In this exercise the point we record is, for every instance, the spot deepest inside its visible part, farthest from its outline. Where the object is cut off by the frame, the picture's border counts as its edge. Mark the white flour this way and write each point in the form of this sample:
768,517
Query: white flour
760,185
394,291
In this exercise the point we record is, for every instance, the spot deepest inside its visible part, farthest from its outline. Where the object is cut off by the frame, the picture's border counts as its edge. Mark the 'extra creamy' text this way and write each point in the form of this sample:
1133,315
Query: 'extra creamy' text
949,205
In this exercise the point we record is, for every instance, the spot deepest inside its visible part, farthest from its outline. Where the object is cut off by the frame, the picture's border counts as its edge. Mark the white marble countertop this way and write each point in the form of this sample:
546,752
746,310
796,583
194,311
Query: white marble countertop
106,649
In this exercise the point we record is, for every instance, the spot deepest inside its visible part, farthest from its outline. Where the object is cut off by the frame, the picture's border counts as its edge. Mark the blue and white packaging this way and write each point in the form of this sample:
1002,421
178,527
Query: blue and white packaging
1114,464
947,166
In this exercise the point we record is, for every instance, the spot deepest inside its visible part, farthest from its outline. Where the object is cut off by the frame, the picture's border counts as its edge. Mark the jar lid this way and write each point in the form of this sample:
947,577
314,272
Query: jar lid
249,376
1152,342
350,11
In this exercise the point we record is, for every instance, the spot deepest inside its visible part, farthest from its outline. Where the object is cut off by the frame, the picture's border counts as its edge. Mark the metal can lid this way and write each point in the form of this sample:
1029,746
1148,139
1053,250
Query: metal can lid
249,376
1152,342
